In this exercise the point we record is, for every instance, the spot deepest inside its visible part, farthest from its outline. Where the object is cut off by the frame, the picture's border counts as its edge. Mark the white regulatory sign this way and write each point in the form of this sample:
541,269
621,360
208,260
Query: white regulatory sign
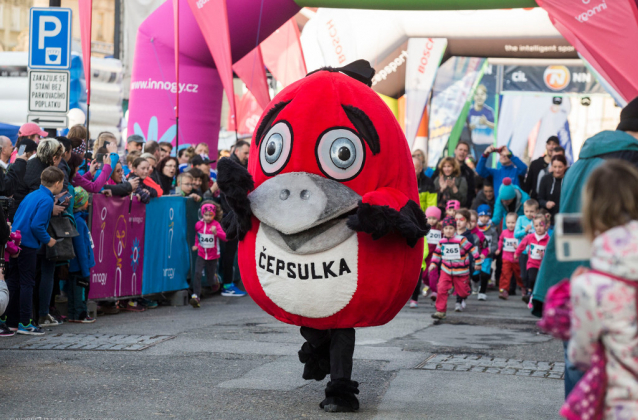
49,91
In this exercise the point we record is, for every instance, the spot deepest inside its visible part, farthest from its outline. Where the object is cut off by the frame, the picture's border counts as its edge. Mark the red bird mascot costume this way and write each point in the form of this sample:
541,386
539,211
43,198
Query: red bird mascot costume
327,218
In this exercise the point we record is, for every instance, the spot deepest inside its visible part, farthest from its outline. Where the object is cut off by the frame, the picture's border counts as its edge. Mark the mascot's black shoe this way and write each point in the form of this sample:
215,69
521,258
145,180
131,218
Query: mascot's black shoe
340,396
316,361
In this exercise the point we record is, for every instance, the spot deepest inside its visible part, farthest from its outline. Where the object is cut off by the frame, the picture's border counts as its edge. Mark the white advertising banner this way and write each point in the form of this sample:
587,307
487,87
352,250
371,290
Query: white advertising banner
424,58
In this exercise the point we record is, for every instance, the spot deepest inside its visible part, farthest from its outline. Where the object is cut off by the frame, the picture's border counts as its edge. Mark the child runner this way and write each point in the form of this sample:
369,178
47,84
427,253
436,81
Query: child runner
525,226
491,236
507,244
482,248
535,244
80,266
433,214
462,228
451,208
208,234
604,298
453,253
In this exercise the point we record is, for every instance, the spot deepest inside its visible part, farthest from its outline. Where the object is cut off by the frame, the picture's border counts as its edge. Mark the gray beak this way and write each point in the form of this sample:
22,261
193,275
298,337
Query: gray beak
294,202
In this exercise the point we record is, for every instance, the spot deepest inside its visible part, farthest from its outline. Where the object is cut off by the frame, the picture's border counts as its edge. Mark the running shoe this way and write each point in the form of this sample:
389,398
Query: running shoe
425,291
482,296
29,329
133,306
475,287
438,315
503,294
463,304
414,304
232,290
194,301
48,321
458,307
5,331
84,318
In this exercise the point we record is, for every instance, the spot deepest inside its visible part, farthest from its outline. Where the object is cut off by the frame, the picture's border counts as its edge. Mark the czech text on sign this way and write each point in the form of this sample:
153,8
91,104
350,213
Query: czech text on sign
49,91
50,38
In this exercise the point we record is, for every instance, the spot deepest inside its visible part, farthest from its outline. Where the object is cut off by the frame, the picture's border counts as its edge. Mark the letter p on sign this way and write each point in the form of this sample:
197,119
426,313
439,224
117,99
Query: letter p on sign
44,33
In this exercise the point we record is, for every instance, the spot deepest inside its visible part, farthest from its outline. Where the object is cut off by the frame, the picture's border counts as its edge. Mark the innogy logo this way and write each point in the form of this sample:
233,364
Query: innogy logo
557,77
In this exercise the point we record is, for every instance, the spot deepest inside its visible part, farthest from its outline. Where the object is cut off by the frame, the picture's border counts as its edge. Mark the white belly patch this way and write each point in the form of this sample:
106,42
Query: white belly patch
315,285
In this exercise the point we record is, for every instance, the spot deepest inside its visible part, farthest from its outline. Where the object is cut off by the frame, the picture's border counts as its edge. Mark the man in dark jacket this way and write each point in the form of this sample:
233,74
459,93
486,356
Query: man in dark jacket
485,196
531,179
229,248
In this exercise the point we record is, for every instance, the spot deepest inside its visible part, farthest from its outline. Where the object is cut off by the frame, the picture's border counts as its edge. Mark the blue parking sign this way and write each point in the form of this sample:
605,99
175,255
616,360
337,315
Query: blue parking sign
50,38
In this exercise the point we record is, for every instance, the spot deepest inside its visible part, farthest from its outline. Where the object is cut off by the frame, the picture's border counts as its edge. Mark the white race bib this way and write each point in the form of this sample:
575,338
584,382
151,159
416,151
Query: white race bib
451,252
536,251
434,237
510,244
207,240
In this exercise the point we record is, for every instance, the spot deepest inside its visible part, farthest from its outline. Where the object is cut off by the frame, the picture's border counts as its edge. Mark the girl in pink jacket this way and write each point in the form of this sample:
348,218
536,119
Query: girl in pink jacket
535,244
208,234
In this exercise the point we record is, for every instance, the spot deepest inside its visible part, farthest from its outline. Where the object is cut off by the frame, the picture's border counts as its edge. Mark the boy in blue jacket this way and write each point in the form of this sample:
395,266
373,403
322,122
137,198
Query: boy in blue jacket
80,266
32,220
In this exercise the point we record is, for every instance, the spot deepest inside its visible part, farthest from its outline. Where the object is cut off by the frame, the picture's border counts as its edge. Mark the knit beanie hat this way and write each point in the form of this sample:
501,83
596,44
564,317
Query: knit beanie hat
629,117
81,197
484,210
449,221
507,191
433,211
453,204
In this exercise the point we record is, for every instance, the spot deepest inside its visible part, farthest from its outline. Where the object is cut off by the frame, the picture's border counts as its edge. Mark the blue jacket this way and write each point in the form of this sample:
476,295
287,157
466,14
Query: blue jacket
521,224
512,171
83,247
33,216
500,211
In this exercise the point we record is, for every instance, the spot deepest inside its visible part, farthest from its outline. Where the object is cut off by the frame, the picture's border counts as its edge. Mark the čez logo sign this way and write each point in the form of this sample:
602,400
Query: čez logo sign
50,38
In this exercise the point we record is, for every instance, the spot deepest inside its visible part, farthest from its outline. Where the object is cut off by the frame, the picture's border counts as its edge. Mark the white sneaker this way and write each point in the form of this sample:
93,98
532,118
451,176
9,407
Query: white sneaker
414,304
482,296
463,304
475,287
458,308
48,321
425,291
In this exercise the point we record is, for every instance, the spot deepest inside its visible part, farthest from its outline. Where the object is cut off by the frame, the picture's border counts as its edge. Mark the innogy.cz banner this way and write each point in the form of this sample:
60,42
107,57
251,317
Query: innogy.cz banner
118,248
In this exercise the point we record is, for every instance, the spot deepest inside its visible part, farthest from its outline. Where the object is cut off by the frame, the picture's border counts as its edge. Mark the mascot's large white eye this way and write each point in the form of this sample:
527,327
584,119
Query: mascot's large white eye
275,148
340,154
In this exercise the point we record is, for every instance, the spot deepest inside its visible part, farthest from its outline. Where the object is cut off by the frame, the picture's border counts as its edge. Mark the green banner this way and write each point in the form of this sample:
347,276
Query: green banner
418,4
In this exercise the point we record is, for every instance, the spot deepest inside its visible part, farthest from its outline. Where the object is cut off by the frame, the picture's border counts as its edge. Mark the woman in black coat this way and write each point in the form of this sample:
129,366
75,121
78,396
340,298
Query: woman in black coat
164,173
551,186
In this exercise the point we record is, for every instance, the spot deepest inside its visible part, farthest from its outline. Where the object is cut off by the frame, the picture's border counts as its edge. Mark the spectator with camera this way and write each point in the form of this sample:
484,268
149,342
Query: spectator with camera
510,167
532,179
118,186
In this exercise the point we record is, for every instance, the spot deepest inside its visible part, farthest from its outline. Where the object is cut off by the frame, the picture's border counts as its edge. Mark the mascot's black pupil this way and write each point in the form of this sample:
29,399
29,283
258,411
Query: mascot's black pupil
271,149
344,153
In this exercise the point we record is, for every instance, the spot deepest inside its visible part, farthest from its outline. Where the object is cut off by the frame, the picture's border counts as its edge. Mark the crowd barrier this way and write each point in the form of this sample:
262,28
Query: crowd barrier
141,249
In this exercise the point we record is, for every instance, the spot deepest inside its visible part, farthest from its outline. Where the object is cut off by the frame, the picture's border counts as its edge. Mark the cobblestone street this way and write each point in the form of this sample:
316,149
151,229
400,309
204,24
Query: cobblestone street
229,360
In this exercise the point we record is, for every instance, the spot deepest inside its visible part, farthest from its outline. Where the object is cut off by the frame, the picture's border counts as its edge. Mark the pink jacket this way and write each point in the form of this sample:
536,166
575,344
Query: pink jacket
207,243
507,255
85,181
536,249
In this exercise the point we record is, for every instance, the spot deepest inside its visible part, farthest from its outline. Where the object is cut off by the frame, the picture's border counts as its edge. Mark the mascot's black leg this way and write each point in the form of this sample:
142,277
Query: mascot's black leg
315,353
341,390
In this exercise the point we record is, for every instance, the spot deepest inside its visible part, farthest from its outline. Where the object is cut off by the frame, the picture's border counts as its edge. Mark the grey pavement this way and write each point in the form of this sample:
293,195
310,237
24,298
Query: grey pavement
230,360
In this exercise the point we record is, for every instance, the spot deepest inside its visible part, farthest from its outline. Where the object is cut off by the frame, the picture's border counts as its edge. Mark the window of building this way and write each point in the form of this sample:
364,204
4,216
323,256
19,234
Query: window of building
16,21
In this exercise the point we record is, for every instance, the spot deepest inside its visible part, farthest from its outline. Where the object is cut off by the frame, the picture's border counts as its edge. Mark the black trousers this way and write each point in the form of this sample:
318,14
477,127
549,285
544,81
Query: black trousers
522,260
228,261
20,282
532,273
341,348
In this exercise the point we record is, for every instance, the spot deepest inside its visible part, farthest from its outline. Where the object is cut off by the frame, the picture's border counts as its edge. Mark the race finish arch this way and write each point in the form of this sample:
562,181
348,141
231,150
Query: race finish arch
599,30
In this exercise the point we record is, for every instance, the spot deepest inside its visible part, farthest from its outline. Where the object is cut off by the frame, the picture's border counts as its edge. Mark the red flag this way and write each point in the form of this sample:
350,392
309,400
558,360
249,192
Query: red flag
251,71
86,18
283,54
602,32
212,18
